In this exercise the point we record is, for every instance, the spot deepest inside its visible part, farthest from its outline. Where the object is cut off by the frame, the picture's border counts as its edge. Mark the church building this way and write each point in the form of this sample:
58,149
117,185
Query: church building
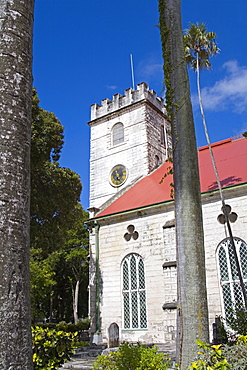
133,268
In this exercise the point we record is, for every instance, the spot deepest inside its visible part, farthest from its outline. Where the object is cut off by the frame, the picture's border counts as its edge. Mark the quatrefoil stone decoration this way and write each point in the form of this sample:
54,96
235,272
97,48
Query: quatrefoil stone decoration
231,215
131,233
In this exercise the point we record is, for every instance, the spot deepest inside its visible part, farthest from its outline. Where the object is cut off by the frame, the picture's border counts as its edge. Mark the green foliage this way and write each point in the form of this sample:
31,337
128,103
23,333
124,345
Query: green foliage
53,280
56,223
169,172
68,327
51,348
47,134
42,279
242,339
210,357
55,191
222,357
55,194
198,43
236,354
132,357
237,321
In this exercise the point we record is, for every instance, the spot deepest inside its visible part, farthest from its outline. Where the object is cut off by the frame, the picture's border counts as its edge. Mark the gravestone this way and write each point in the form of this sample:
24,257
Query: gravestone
113,332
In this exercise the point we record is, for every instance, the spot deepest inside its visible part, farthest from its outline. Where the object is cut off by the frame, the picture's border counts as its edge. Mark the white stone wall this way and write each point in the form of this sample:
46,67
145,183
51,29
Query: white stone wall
160,283
142,143
156,245
214,234
104,156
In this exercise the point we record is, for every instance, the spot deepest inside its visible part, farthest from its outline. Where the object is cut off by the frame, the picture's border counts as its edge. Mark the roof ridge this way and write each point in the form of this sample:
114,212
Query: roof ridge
218,143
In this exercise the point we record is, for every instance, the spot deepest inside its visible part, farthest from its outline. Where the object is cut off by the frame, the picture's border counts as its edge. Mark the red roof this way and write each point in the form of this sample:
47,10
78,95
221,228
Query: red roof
231,160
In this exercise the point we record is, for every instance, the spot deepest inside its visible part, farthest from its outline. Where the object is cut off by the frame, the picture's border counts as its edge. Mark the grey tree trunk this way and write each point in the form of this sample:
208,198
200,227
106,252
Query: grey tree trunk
75,301
16,21
192,295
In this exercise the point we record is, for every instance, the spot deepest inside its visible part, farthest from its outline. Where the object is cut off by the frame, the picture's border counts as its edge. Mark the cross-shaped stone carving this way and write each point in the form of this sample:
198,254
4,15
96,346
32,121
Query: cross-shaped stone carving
231,215
131,233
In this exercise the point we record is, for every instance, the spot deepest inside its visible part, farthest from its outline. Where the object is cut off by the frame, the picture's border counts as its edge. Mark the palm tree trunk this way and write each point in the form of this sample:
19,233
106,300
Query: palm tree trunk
16,20
193,315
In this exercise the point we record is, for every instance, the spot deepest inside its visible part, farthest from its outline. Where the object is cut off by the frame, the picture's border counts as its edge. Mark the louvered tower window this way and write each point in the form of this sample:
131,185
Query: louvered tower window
117,134
134,293
229,281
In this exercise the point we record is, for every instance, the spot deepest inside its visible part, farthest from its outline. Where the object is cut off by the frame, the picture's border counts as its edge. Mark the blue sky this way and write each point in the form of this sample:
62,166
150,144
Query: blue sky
82,56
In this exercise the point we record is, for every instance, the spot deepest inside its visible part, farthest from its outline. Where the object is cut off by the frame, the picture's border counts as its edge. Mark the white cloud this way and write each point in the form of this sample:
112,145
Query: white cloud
150,69
111,87
228,93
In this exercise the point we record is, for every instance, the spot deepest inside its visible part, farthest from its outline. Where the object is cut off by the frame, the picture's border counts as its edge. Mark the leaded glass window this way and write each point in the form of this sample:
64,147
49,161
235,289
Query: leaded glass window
230,286
134,293
117,134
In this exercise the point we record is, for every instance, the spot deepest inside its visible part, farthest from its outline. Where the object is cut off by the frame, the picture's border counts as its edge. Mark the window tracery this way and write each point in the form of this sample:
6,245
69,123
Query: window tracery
229,280
134,293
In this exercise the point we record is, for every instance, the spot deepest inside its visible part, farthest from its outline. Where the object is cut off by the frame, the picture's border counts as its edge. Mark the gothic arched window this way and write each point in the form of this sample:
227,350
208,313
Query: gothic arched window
117,134
229,280
134,293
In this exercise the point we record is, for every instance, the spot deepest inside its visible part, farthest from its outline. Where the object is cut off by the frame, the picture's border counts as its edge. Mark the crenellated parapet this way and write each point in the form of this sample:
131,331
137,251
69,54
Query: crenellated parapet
130,97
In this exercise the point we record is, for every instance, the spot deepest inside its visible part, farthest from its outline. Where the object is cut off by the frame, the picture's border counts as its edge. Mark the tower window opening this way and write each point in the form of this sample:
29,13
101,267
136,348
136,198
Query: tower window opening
117,134
162,135
157,161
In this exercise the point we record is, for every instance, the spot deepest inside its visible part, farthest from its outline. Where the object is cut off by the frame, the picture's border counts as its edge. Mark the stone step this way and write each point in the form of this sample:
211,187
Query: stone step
79,364
91,351
168,348
85,356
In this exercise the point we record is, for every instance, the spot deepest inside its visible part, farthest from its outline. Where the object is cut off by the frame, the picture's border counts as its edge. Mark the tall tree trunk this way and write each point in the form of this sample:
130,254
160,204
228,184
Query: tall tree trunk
193,311
75,301
51,304
16,20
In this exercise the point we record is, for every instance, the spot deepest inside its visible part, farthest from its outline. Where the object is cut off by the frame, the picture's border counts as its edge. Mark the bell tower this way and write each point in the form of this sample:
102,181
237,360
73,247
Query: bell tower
129,139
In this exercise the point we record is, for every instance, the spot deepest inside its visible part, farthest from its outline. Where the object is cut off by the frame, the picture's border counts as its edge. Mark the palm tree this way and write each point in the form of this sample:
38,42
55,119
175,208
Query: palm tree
16,20
193,314
199,46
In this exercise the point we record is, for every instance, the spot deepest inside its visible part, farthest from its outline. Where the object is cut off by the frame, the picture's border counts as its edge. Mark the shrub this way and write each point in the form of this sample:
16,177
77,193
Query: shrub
132,357
237,321
69,327
51,348
81,328
236,354
210,357
222,357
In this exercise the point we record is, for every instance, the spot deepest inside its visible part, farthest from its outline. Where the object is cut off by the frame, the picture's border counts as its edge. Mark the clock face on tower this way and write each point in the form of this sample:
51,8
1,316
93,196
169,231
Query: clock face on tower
118,175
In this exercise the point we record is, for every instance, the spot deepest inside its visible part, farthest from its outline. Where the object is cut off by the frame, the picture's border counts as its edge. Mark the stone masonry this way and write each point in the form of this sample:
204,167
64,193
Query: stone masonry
143,116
